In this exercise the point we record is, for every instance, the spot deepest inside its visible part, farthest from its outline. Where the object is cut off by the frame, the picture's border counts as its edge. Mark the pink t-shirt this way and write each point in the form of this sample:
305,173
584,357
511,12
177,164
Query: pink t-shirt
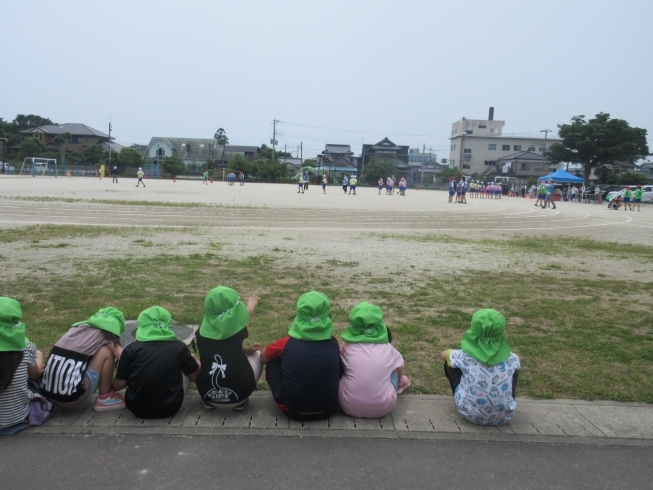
365,389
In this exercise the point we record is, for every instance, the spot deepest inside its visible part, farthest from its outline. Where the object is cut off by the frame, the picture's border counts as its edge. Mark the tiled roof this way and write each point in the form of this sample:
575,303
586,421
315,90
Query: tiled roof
338,149
241,149
522,155
75,129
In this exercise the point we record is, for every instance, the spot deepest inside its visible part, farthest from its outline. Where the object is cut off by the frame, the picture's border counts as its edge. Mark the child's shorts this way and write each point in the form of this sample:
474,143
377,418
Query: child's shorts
637,200
451,193
380,187
394,379
626,199
352,187
91,380
323,186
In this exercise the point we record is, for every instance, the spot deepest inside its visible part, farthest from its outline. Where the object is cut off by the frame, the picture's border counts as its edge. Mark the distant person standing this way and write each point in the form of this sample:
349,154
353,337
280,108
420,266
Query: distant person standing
206,178
550,190
242,178
305,181
300,182
352,184
345,183
627,195
114,175
140,175
452,187
637,197
324,183
380,182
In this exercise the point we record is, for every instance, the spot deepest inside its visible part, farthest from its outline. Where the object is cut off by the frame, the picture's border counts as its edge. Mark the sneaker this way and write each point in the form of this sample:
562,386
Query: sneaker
207,405
404,383
242,406
113,401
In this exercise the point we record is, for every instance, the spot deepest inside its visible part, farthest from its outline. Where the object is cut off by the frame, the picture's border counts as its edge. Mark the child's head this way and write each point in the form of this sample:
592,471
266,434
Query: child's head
224,315
313,320
484,341
154,325
12,340
366,325
110,320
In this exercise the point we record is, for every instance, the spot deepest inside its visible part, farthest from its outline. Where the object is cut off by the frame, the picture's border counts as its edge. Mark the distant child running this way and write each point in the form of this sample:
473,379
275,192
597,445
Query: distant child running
114,175
206,178
483,373
140,175
345,184
300,182
352,184
324,183
380,183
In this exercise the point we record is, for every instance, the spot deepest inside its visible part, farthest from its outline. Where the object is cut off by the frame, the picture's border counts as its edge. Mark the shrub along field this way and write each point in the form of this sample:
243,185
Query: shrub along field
581,330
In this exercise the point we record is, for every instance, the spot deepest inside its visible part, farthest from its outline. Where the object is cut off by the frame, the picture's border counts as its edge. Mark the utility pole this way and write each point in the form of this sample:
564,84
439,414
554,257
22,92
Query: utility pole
109,142
274,136
2,155
301,153
546,133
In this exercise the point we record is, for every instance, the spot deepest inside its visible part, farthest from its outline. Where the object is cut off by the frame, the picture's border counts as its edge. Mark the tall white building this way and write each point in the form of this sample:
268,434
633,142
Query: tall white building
479,146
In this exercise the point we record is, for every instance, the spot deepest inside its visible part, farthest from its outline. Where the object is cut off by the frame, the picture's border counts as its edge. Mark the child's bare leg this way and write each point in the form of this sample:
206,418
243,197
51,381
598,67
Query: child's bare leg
103,364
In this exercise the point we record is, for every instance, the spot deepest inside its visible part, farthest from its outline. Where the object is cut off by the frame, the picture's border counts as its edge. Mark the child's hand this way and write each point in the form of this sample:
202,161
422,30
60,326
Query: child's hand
252,302
253,348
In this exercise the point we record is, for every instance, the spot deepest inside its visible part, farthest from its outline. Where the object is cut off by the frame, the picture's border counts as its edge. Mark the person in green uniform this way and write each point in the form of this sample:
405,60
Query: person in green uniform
627,196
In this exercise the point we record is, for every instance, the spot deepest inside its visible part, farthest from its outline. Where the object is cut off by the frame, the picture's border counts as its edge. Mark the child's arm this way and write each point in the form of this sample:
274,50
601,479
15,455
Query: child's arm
249,351
116,350
445,356
118,384
252,302
193,376
34,372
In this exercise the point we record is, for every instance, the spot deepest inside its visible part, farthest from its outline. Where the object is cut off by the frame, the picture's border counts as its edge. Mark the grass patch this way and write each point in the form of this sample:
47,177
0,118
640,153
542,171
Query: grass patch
590,339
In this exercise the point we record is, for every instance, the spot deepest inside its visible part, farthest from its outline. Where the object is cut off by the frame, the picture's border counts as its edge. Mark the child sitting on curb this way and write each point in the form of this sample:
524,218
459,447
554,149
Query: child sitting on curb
156,369
303,368
20,365
83,360
372,378
229,371
483,374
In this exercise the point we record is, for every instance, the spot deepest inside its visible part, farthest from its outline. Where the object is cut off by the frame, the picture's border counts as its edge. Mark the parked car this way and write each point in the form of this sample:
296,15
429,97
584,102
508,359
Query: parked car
647,193
10,169
605,189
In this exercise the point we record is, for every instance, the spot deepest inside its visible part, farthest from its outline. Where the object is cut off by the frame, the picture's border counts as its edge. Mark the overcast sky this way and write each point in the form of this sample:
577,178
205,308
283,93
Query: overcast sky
402,69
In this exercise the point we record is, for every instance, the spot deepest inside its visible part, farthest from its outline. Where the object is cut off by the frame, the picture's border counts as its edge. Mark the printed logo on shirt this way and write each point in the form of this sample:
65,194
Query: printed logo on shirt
63,375
219,394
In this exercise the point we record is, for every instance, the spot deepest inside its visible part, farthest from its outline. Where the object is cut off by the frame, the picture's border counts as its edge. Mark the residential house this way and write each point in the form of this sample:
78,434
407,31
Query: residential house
81,135
230,151
386,149
336,159
645,168
521,166
477,145
193,151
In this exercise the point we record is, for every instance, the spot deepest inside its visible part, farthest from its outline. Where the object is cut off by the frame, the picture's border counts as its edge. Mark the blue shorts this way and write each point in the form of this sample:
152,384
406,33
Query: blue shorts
626,199
451,193
93,377
394,379
387,187
462,193
352,187
637,200
323,186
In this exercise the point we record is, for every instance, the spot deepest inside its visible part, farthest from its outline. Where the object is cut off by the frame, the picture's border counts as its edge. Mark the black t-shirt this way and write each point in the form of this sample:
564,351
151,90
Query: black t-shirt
310,374
153,374
226,376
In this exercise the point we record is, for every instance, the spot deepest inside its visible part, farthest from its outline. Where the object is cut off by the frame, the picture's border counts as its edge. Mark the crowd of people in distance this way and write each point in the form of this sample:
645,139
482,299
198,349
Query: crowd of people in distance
231,178
310,372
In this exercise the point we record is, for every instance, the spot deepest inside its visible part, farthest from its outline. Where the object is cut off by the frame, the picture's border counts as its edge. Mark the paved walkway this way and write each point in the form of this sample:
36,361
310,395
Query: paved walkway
416,417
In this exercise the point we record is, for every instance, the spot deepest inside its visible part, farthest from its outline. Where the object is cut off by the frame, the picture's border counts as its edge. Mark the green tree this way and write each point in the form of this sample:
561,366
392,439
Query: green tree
33,147
241,164
60,140
444,175
597,142
379,168
266,152
129,157
115,157
444,161
221,137
29,121
273,171
173,165
93,154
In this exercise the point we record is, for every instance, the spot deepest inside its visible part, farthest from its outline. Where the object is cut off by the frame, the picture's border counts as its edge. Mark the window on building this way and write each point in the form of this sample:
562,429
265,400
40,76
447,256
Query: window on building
494,131
492,146
516,148
466,165
489,162
482,126
531,148
76,140
541,149
453,162
538,166
469,131
467,150
505,147
160,152
525,166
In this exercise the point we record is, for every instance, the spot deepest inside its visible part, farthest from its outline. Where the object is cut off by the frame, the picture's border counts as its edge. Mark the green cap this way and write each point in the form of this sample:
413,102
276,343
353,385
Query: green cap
154,325
109,319
12,329
313,320
366,325
484,341
225,315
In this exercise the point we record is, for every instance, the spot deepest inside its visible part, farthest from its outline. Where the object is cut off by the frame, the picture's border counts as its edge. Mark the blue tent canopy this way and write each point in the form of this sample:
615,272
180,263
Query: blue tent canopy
563,176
